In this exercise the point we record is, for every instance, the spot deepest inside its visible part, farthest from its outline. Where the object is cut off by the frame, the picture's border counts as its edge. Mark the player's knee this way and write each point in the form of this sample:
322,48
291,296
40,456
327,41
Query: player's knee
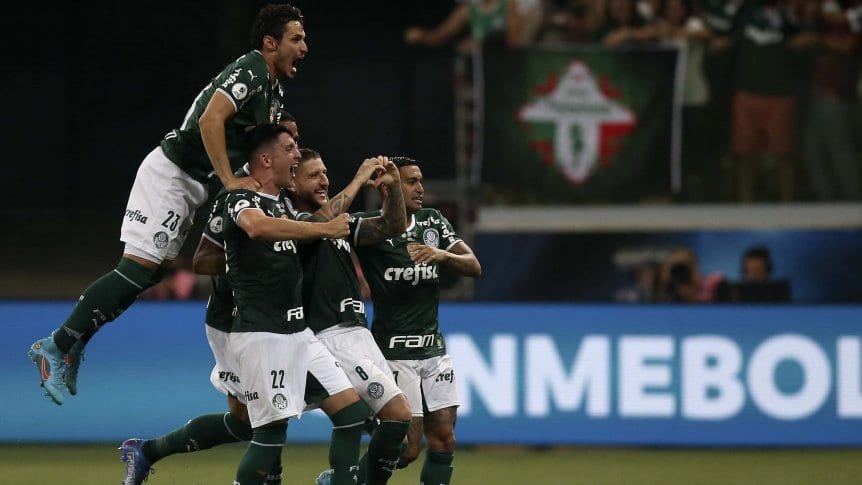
441,438
397,409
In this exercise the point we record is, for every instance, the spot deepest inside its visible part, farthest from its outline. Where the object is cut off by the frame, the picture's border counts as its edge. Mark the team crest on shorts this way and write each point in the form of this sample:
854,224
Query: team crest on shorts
279,401
160,240
431,238
375,390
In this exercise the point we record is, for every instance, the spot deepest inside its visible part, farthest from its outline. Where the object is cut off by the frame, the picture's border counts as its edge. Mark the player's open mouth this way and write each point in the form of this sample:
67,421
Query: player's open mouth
293,67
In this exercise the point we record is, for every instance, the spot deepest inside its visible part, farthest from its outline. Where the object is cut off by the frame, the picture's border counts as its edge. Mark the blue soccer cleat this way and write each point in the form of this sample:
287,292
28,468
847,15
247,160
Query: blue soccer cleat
325,477
73,362
138,468
51,364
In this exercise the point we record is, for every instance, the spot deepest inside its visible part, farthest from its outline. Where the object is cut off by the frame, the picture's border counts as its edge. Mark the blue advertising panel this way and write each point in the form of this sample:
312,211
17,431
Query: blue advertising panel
526,373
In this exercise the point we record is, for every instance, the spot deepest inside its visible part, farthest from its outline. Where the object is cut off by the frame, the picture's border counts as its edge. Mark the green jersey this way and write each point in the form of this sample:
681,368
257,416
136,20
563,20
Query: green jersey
246,83
220,304
406,296
330,293
266,277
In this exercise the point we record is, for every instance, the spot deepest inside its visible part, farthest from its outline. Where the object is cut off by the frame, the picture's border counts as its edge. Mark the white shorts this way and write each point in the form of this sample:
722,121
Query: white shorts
360,357
272,370
225,374
431,380
326,369
161,209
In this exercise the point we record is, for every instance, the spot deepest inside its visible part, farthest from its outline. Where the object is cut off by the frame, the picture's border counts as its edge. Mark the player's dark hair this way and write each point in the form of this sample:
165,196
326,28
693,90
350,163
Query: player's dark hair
284,115
308,154
403,161
271,20
758,252
262,136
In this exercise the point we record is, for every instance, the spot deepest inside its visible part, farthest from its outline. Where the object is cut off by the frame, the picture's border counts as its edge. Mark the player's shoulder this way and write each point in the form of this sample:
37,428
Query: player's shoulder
428,213
366,214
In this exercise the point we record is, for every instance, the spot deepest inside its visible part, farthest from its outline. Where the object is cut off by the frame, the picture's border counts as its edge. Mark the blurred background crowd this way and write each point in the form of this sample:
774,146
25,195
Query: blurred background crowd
765,97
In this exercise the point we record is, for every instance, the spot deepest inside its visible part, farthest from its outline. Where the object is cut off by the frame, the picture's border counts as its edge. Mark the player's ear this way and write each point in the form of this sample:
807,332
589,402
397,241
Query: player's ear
269,42
384,189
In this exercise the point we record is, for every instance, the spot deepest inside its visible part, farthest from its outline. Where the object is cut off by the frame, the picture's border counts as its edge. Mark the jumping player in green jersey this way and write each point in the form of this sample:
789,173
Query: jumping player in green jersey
336,313
403,273
210,430
171,184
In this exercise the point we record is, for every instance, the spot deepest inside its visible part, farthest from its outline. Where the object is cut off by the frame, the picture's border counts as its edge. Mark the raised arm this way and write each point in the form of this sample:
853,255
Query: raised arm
339,204
260,226
394,219
459,258
218,110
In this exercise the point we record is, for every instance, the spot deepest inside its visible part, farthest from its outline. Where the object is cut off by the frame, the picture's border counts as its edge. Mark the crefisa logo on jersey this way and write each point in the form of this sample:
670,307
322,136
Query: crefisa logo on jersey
431,238
160,240
279,401
136,216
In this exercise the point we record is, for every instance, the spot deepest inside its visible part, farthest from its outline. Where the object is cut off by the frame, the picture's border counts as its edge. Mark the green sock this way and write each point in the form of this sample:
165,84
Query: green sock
347,427
201,433
384,450
274,477
103,301
261,455
437,468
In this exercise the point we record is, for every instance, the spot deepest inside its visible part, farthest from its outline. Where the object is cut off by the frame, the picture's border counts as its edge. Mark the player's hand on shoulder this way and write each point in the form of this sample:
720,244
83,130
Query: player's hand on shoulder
338,227
241,183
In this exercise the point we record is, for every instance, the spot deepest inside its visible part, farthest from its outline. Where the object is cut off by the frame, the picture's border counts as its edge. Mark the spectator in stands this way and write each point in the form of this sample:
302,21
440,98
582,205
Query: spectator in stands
722,19
831,149
769,72
511,23
570,21
677,25
622,24
681,286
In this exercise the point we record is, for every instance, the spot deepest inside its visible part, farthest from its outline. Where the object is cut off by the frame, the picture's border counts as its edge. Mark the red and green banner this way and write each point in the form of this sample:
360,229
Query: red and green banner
577,124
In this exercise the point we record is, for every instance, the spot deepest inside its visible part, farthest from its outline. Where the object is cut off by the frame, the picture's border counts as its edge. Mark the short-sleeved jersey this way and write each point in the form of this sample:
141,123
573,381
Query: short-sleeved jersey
220,304
330,293
266,276
246,83
765,65
719,15
406,296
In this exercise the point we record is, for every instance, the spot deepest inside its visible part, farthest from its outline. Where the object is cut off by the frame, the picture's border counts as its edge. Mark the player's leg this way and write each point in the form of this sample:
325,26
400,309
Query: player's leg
441,402
344,408
272,373
407,377
158,215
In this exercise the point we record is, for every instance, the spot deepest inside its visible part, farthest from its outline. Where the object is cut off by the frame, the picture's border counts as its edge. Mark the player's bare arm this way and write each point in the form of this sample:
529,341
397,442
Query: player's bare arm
209,258
459,258
394,219
341,202
211,123
260,226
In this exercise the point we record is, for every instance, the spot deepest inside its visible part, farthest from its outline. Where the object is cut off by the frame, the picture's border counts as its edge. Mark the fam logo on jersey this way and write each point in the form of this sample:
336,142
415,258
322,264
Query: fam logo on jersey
376,390
431,238
279,401
160,240
589,122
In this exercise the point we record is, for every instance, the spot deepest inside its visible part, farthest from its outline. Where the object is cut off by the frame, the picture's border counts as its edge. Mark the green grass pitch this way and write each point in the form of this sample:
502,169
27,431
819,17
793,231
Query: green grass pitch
27,464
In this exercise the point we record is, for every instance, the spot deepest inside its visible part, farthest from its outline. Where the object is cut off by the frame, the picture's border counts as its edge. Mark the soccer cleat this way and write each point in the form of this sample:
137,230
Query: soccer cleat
73,362
138,468
51,364
325,477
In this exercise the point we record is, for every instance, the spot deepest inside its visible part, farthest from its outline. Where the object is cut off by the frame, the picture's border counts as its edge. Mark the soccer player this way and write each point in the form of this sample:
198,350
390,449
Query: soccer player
204,432
171,184
335,310
403,273
270,341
